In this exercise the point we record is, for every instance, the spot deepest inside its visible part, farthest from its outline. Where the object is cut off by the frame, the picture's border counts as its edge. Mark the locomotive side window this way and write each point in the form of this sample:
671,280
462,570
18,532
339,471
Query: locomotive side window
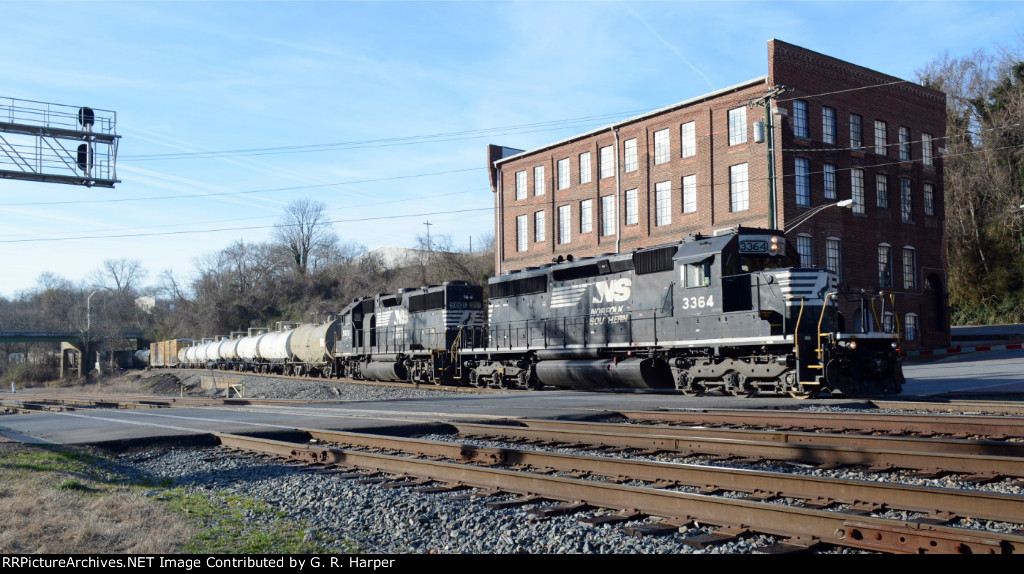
698,274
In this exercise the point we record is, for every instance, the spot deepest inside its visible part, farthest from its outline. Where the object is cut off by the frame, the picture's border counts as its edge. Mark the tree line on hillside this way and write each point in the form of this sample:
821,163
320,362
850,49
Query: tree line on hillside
304,273
983,171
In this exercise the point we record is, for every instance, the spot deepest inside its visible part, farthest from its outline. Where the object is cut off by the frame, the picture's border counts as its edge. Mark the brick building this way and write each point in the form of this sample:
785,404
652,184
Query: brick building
841,132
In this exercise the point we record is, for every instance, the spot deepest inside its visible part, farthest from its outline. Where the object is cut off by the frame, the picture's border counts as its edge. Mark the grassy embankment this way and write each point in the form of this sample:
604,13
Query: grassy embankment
63,501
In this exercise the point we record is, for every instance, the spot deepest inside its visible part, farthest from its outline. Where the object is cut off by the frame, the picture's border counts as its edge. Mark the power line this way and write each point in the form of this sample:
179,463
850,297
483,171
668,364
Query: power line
347,207
400,140
223,193
248,228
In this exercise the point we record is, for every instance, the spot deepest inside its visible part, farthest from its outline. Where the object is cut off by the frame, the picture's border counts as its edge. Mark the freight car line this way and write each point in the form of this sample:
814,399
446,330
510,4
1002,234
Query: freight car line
731,312
927,425
818,491
801,526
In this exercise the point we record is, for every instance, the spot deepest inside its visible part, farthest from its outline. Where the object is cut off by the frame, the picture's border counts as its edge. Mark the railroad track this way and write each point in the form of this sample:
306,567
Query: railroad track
825,511
929,425
767,481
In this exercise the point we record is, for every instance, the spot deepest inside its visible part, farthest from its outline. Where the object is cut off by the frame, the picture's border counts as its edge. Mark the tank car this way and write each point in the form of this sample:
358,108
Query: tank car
312,348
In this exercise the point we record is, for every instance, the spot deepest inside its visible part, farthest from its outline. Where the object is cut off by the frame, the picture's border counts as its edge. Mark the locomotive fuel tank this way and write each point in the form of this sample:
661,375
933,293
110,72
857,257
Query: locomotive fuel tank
385,371
634,373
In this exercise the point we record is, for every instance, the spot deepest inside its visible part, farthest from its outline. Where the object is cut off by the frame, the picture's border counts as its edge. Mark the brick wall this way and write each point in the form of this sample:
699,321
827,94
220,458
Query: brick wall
819,81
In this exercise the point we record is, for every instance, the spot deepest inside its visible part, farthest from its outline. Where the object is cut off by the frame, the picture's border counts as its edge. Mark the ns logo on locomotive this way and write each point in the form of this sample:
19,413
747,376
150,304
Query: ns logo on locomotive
731,312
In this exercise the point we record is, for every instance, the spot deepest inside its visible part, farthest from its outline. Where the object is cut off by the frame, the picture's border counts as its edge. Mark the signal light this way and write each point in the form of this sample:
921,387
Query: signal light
84,159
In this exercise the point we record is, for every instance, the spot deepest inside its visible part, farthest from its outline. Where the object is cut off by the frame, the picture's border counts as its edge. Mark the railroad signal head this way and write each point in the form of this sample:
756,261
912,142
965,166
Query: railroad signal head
86,117
84,157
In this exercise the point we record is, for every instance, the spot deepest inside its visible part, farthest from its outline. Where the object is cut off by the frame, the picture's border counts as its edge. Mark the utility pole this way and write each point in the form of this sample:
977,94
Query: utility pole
428,224
765,101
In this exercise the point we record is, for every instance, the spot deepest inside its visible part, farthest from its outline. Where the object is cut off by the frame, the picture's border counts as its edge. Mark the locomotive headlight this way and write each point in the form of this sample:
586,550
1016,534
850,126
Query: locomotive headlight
853,345
775,244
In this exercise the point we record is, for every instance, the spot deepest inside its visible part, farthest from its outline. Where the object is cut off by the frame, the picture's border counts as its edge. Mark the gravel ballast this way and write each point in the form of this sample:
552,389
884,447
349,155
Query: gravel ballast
348,515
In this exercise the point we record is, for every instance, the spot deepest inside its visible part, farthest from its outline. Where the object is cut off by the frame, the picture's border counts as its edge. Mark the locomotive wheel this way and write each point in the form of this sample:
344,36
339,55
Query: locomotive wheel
477,380
737,385
804,394
694,389
523,380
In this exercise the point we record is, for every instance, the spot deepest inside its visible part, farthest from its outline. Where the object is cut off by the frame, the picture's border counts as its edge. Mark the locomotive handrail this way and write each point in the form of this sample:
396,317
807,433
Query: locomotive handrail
874,313
796,329
821,319
895,317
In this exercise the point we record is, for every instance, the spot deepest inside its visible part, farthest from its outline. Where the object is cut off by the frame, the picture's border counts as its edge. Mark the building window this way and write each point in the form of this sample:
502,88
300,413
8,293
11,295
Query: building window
737,126
688,135
830,181
909,268
522,232
803,181
662,151
631,163
607,161
690,194
857,190
881,141
520,185
926,150
906,201
663,203
834,257
856,132
539,227
585,167
910,327
586,216
929,199
563,173
608,215
564,224
828,125
800,129
805,247
887,322
538,180
884,266
739,197
882,189
904,143
632,207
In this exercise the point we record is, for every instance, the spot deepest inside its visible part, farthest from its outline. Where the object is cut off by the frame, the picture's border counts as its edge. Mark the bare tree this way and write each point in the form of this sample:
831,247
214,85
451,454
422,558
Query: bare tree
307,235
122,276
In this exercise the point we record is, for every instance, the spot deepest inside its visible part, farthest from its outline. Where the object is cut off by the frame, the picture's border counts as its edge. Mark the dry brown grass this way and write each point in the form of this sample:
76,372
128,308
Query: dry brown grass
49,507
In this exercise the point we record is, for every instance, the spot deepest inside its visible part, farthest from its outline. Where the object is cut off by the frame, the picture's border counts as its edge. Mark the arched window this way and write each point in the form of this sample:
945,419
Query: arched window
910,328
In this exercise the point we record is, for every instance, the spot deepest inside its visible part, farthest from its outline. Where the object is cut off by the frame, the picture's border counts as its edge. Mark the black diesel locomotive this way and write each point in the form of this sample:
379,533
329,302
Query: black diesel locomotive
730,312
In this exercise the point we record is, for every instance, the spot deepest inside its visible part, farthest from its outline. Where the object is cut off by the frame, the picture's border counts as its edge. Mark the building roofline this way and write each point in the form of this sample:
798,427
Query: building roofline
673,107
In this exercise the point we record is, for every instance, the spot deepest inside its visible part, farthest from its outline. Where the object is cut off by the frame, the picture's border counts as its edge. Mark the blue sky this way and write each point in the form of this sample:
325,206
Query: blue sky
187,77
